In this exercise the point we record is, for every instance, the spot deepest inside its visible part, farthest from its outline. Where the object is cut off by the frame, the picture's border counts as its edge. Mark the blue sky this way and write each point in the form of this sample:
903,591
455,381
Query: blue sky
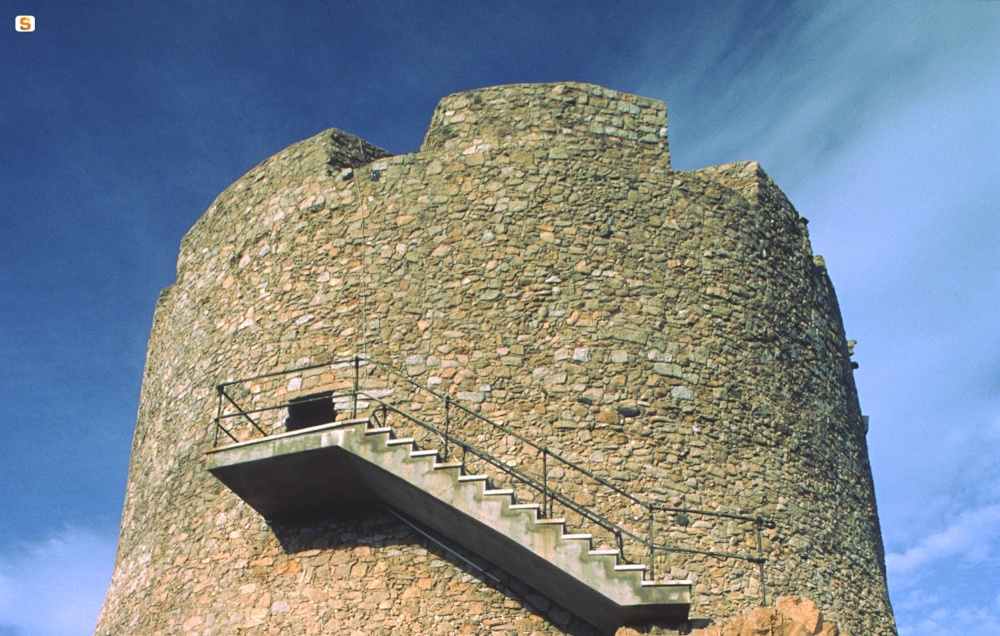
121,123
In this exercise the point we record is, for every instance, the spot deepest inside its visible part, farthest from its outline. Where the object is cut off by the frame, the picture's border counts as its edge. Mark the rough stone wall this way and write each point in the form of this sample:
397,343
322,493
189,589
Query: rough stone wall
540,262
571,118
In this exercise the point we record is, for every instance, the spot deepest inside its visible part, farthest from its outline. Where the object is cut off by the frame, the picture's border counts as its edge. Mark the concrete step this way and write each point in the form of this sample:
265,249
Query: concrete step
400,441
423,453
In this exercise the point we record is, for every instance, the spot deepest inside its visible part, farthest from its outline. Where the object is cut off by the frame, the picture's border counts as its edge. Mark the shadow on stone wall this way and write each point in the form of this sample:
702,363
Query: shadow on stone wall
368,544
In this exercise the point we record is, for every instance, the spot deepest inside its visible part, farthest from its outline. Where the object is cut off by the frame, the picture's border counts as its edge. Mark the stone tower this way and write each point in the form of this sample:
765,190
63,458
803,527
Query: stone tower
590,316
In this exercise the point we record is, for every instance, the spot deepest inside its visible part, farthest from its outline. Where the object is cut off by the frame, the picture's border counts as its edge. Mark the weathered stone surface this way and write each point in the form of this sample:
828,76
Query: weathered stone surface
793,616
540,245
802,610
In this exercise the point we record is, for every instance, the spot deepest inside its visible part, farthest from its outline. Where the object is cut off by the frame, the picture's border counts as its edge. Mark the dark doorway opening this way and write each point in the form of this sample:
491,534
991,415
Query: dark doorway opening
310,410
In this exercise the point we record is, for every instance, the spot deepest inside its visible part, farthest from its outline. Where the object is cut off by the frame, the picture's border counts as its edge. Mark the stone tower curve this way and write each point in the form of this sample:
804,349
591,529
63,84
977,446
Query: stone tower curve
541,263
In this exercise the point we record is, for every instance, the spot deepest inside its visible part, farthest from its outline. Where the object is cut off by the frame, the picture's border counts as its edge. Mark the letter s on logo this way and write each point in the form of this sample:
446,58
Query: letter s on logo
25,23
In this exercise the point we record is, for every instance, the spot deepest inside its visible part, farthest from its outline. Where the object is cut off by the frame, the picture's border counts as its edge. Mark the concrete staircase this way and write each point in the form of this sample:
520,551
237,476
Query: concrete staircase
310,470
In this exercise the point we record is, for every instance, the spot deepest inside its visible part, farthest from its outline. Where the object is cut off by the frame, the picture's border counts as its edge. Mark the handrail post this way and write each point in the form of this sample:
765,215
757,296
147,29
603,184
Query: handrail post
354,409
545,483
652,549
447,425
218,415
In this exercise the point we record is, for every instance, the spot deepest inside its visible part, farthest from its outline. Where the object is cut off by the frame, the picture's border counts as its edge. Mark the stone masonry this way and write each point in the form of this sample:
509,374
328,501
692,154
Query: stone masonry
540,262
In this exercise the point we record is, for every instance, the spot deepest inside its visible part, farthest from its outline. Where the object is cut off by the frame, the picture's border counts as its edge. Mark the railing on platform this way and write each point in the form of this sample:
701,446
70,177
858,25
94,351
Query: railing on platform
354,397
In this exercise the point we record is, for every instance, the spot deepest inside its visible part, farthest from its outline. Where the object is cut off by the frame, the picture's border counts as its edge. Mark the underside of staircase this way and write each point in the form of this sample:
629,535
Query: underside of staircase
312,470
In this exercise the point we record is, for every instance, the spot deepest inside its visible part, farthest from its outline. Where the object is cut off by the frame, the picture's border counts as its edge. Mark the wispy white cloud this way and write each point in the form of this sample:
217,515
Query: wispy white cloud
56,587
974,535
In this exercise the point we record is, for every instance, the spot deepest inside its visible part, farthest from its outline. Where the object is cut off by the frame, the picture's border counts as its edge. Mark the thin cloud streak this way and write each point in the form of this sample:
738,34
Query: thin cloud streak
973,536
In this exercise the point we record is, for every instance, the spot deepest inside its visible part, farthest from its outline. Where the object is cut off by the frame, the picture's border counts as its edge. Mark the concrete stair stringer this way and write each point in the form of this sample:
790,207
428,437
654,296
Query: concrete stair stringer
314,469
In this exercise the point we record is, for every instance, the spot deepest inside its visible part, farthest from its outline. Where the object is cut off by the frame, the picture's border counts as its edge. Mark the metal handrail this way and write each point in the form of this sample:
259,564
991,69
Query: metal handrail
549,495
520,476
